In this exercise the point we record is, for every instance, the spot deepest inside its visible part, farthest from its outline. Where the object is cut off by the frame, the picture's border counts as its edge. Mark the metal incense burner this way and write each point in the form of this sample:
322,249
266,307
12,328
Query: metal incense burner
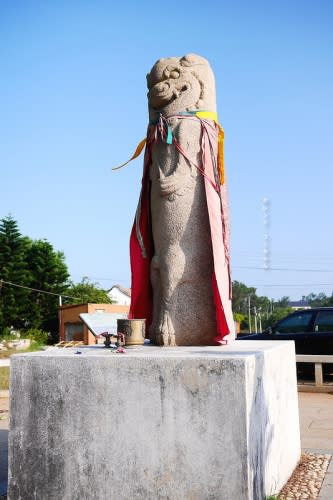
133,329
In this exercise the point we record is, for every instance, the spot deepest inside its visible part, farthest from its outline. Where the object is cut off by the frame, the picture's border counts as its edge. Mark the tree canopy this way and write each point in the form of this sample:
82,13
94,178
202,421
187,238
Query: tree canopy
13,268
33,275
319,300
86,291
48,273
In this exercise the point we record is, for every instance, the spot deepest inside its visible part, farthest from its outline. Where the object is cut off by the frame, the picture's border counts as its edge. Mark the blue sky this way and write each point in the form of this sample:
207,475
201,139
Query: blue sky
73,104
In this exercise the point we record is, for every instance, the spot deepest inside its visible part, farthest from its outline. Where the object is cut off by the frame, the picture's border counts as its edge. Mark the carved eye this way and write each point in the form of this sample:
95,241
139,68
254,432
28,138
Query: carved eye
175,74
171,72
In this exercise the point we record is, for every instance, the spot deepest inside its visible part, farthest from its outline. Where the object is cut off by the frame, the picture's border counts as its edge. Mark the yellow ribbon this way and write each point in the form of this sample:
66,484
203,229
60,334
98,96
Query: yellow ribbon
220,154
137,152
211,115
207,115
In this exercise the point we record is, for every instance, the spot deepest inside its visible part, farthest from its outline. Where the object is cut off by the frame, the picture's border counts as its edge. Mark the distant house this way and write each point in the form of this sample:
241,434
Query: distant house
299,304
120,295
72,328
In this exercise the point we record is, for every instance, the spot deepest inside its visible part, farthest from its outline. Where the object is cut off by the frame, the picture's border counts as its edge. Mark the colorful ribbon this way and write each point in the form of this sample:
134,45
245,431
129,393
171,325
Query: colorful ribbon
137,153
203,115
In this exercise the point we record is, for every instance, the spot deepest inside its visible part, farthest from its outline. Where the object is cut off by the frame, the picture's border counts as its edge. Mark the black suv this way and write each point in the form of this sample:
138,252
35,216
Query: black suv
311,329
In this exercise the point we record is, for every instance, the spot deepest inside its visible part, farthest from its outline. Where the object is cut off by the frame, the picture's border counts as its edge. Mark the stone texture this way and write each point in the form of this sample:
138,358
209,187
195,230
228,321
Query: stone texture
326,492
3,441
182,267
307,479
316,421
183,423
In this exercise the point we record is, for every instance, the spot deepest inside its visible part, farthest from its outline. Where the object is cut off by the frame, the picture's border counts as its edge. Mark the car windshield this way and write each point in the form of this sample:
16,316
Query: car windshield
324,321
295,324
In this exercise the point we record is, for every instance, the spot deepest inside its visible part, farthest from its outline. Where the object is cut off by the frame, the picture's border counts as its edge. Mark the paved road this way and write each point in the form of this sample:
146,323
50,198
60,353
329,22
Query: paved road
316,420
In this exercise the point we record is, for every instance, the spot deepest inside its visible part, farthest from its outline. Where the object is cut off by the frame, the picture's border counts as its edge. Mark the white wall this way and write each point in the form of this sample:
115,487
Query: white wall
119,297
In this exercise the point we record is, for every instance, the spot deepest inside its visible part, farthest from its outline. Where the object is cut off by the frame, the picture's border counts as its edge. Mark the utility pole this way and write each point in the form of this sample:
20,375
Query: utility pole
255,319
259,315
60,318
249,308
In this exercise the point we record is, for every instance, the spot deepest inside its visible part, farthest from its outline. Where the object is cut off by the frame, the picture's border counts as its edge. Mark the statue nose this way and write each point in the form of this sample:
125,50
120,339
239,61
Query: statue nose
161,87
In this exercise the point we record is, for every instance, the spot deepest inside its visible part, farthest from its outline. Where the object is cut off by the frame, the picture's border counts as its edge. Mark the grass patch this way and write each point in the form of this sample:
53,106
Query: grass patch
4,370
35,346
4,378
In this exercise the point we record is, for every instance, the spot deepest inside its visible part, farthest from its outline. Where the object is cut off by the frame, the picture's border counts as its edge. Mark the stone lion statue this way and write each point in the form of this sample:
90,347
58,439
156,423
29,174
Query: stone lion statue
180,239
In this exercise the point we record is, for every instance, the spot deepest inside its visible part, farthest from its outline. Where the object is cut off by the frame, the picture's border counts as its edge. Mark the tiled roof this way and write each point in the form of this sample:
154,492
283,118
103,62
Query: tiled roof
125,291
299,303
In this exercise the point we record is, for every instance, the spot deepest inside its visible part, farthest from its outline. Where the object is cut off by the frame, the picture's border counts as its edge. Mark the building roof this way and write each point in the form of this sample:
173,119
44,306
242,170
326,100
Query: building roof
115,308
122,289
299,303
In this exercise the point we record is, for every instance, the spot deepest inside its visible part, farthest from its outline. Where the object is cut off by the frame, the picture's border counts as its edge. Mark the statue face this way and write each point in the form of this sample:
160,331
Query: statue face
178,84
170,83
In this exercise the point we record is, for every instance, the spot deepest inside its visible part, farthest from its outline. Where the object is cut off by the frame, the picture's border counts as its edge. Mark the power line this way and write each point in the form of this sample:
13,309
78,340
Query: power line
37,290
298,285
285,269
81,298
117,280
255,268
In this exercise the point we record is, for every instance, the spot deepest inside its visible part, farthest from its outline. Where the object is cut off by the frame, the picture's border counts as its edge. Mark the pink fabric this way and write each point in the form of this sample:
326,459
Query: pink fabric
141,254
219,229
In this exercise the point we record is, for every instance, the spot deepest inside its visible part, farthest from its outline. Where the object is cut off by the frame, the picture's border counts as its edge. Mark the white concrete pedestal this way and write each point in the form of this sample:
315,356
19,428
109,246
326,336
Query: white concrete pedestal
186,423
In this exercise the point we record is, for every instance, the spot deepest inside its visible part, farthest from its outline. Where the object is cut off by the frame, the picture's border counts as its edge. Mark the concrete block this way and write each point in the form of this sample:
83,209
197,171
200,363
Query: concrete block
199,423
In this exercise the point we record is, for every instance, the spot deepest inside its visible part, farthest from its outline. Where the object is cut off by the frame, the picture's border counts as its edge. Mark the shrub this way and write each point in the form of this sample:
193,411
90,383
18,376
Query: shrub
4,378
39,336
9,334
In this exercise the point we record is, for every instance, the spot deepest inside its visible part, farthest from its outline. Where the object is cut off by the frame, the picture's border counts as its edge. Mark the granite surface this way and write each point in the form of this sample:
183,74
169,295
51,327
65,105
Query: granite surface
154,423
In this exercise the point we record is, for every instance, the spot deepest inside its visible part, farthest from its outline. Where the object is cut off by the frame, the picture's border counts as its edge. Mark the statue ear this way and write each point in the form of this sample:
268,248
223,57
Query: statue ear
190,60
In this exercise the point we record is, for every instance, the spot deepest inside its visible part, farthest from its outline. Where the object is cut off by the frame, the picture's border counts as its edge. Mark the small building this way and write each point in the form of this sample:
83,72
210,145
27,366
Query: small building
72,328
120,295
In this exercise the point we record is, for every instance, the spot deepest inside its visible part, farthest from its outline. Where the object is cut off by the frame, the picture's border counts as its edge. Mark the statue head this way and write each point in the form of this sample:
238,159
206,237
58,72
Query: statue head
178,84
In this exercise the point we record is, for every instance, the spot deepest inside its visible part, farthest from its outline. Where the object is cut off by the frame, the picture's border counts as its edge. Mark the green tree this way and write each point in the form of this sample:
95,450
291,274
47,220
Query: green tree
262,304
240,297
13,269
86,291
329,301
245,301
27,265
319,300
48,273
276,315
282,303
